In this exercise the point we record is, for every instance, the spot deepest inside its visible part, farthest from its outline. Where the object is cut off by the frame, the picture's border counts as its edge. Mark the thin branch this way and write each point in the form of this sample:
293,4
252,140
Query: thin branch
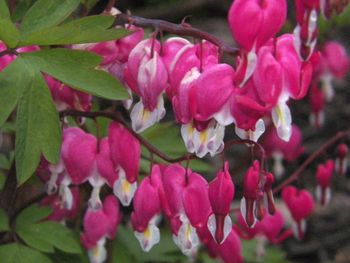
324,147
177,29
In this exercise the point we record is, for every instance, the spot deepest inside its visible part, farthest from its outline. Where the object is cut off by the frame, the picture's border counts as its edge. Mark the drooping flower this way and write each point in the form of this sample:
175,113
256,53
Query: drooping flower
306,30
280,150
125,152
146,210
250,194
323,176
221,193
341,162
193,76
252,24
98,226
59,211
317,103
300,204
147,76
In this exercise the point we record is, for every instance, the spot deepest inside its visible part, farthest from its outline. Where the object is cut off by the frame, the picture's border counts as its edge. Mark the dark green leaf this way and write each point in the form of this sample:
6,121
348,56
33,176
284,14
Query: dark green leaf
4,221
8,33
14,80
127,249
5,163
47,13
65,65
44,236
16,253
22,7
2,180
33,239
32,214
61,257
36,112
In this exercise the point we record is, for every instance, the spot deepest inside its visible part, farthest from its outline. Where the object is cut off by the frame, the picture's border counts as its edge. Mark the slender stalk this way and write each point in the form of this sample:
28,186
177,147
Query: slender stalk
324,147
182,29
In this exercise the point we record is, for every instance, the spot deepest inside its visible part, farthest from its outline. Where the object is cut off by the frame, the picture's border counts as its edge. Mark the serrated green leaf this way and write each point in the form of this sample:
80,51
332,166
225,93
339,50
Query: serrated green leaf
4,11
32,214
14,80
44,236
4,221
8,33
59,64
36,112
47,13
16,253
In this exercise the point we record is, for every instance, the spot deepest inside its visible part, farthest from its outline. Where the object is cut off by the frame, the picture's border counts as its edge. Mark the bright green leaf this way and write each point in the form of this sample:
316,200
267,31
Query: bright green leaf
14,80
36,112
16,253
4,221
32,214
59,64
47,13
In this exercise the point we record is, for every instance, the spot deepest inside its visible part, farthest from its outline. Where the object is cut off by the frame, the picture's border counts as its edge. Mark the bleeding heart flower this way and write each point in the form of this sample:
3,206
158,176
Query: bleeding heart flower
146,210
125,152
66,97
280,150
59,212
147,76
301,205
98,226
341,162
323,176
317,103
221,193
253,23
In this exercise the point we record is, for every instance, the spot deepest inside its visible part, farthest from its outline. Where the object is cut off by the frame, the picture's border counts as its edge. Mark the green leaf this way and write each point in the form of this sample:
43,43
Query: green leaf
21,8
5,163
8,33
2,180
36,112
64,65
61,257
68,34
4,11
127,249
16,253
32,214
47,13
14,80
274,254
4,221
44,236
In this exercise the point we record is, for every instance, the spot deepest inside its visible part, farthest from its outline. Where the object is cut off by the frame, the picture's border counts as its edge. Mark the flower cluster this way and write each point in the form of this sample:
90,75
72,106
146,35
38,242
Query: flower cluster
206,96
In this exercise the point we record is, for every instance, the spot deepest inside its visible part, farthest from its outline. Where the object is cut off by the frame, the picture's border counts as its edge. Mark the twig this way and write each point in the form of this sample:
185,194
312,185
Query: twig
178,29
324,147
